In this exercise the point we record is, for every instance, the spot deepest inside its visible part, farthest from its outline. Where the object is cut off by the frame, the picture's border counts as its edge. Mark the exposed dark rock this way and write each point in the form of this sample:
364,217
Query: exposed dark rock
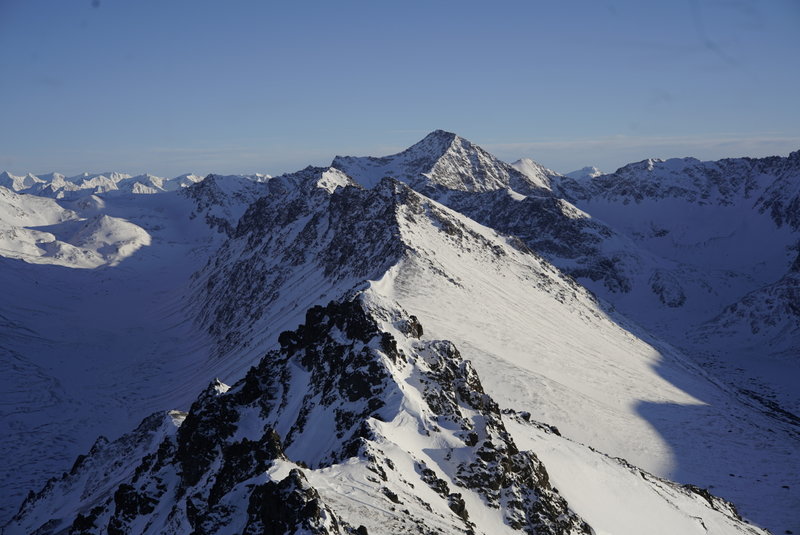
439,485
289,506
200,437
391,495
507,478
667,288
129,503
243,460
458,506
86,524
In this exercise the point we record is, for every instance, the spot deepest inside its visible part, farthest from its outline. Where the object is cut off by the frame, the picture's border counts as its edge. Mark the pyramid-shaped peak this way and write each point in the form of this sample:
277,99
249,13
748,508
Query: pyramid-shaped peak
441,160
432,146
18,183
438,136
310,178
584,173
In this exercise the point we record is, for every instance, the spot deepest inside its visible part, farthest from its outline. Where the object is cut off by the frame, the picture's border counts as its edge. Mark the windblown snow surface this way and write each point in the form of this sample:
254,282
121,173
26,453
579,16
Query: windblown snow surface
443,368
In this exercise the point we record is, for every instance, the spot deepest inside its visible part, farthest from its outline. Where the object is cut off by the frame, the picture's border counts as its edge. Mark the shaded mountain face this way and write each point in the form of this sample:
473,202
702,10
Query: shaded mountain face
765,321
725,234
357,418
222,200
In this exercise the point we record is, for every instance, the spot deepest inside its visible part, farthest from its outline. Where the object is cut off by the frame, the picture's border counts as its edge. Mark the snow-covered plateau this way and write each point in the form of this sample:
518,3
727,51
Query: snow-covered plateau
428,342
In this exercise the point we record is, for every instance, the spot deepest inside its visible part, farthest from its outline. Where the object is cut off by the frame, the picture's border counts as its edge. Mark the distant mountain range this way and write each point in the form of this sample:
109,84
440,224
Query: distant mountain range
434,341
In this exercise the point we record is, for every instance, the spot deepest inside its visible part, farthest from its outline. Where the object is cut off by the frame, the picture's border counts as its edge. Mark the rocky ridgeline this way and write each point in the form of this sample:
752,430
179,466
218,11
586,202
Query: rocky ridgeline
225,465
314,227
764,182
506,478
553,228
768,317
219,199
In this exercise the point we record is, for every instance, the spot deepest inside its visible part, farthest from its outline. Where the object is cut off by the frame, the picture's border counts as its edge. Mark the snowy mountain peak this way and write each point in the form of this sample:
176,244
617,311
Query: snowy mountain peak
18,183
585,173
644,165
51,177
440,161
435,143
310,178
539,174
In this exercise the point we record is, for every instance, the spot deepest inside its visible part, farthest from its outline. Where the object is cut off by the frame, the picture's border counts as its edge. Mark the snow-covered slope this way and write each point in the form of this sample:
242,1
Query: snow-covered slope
653,505
40,230
607,260
538,173
18,213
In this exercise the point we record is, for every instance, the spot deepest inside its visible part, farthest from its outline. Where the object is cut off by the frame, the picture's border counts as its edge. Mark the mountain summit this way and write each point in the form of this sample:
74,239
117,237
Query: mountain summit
440,161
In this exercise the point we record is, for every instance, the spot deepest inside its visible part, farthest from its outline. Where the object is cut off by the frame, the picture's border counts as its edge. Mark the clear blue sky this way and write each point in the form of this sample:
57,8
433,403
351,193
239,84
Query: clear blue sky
172,86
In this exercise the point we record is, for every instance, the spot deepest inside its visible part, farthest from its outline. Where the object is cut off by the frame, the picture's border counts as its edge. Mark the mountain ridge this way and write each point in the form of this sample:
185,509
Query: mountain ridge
426,241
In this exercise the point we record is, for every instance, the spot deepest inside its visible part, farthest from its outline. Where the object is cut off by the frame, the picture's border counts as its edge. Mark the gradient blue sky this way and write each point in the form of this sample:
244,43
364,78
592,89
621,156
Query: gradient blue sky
172,86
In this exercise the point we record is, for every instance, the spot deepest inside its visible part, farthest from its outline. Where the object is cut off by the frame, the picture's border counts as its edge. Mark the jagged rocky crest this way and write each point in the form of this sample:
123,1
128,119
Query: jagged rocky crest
303,232
245,458
219,199
767,184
